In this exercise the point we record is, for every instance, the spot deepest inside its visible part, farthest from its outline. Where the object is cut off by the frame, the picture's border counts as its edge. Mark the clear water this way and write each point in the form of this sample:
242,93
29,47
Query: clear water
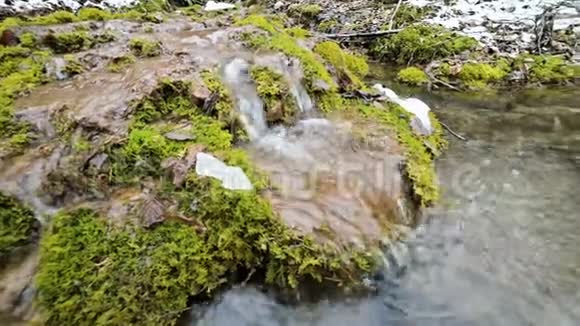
502,247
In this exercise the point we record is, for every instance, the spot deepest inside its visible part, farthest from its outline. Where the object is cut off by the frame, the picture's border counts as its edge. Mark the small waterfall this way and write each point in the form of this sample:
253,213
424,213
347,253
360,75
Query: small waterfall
249,103
293,74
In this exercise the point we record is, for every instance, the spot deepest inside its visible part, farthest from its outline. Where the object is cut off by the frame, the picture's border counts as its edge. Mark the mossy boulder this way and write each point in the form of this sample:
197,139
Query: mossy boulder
17,225
413,76
119,63
421,44
69,42
479,75
279,103
142,47
351,68
148,276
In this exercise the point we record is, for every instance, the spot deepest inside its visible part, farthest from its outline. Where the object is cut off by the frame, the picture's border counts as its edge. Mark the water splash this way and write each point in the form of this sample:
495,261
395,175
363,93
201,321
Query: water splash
249,103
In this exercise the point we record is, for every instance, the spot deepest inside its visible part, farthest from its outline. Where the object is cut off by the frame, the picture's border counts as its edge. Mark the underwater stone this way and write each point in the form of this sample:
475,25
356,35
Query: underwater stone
232,178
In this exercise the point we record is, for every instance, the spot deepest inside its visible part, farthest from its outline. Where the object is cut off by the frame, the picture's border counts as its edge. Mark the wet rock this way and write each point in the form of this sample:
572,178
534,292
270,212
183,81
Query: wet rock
98,160
17,288
232,178
200,94
180,167
179,135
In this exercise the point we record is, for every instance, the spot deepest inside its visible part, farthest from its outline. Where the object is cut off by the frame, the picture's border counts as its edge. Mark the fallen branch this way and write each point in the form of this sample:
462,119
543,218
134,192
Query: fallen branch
432,78
369,34
446,127
394,14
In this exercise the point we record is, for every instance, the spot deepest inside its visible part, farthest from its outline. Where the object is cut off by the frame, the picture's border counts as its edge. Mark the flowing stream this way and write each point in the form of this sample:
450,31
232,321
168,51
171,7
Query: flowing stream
501,247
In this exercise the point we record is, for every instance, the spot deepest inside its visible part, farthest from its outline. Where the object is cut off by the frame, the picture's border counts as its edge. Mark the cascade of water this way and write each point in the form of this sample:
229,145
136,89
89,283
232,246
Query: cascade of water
249,103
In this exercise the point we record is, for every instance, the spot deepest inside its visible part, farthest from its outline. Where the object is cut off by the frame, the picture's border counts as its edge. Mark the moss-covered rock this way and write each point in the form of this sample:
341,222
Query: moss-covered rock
117,64
419,166
17,225
72,65
479,75
147,276
422,44
350,67
409,14
413,76
142,47
274,90
21,69
304,12
279,40
69,42
547,69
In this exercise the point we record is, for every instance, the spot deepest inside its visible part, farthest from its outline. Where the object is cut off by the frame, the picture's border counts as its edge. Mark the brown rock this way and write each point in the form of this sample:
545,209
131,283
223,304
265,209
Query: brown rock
200,94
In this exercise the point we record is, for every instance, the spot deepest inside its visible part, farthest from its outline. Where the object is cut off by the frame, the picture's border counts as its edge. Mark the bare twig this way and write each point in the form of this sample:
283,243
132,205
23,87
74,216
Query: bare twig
394,14
432,78
446,127
369,34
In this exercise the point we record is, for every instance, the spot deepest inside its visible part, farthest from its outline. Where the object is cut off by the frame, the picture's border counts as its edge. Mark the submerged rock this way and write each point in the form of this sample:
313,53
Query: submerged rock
232,178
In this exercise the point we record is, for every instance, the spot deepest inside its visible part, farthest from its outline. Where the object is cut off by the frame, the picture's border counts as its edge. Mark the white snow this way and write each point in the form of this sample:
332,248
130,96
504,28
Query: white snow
486,20
232,177
412,105
217,6
22,5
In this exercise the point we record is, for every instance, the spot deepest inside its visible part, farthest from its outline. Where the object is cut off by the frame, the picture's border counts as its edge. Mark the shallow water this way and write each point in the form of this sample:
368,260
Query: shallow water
502,247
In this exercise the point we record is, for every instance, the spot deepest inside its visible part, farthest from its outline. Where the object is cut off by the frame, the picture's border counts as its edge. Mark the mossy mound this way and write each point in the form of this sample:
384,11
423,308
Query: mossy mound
279,103
94,272
419,166
413,76
69,42
21,69
142,47
17,225
351,68
118,64
504,71
143,12
409,14
421,44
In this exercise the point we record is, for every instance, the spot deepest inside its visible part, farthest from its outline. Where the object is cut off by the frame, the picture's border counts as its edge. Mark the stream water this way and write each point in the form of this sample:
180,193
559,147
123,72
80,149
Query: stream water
501,248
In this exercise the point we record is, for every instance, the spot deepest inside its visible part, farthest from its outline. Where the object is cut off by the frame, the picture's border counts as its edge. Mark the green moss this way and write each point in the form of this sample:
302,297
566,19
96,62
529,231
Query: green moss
549,69
274,90
76,41
17,224
419,161
422,44
21,70
479,75
57,17
280,41
145,48
224,106
298,32
94,14
118,64
327,26
409,14
349,66
305,11
72,65
28,40
413,76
